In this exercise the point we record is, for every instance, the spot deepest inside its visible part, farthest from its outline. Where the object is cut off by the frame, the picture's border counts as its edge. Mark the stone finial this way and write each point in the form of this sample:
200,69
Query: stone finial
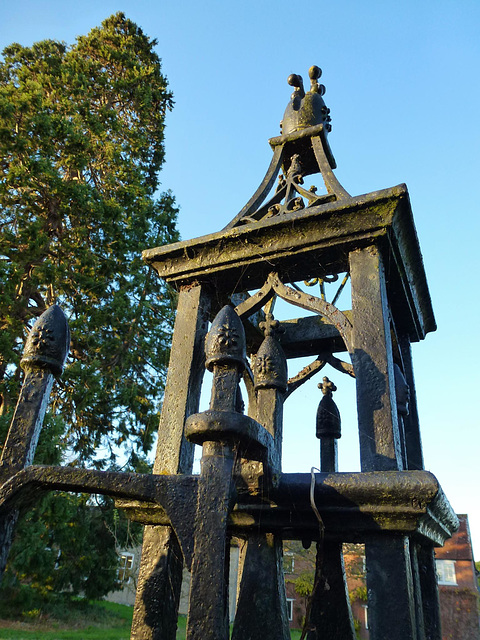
225,343
48,342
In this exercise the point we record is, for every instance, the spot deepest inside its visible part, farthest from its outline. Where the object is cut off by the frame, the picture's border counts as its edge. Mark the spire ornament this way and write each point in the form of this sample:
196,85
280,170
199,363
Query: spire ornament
48,342
225,343
306,109
270,365
328,415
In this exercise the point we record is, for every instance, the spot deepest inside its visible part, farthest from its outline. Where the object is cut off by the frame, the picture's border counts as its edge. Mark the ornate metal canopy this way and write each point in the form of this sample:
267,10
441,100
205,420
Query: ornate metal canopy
286,238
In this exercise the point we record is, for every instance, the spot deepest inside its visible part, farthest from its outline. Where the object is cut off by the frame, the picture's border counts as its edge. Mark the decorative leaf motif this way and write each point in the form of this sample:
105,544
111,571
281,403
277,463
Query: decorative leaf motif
265,365
228,336
41,335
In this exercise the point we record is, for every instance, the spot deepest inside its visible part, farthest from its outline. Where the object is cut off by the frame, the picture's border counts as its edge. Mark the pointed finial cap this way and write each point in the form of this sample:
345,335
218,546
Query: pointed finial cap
48,342
225,343
328,415
270,366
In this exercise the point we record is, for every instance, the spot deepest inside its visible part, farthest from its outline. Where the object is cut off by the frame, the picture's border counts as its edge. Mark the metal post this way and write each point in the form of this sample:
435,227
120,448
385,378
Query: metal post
413,439
261,603
391,602
160,578
44,356
430,597
330,611
419,615
208,605
380,447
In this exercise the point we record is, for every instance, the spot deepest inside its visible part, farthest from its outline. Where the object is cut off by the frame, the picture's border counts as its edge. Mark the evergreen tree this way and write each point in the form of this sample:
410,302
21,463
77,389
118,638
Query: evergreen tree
67,545
81,145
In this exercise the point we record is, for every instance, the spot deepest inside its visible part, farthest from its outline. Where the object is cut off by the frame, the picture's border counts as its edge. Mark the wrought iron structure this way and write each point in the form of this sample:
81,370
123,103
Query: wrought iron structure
231,279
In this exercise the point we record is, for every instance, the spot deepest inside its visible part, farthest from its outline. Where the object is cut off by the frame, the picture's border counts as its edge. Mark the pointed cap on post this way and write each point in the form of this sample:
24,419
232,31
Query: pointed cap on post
225,343
48,342
270,367
328,415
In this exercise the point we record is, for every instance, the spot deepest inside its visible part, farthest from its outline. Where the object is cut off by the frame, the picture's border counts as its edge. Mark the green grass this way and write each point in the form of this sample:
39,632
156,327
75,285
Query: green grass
85,621
112,622
181,627
89,633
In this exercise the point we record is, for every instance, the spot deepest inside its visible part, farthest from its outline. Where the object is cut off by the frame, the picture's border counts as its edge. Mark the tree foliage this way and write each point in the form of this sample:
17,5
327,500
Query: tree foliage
81,144
67,544
71,548
304,584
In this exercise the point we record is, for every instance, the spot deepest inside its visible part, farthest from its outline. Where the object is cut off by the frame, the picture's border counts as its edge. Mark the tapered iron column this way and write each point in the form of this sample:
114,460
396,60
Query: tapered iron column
429,590
44,357
380,447
160,578
417,591
330,611
208,606
220,431
261,603
391,596
391,602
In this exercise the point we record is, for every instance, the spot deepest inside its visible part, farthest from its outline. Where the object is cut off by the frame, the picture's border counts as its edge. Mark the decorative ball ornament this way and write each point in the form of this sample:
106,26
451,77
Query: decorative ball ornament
306,109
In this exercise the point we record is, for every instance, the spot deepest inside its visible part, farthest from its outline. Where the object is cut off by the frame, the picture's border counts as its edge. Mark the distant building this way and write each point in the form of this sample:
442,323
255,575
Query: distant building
128,568
299,568
354,559
457,582
128,572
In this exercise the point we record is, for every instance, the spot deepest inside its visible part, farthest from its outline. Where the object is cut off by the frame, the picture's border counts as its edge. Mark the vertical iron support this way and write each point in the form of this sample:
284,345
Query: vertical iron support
430,597
413,441
225,356
419,616
380,447
262,602
208,607
391,601
331,614
160,578
44,356
330,610
329,454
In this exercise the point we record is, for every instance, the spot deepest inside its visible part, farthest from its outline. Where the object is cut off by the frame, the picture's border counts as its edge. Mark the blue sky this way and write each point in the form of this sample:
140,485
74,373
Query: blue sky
402,86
